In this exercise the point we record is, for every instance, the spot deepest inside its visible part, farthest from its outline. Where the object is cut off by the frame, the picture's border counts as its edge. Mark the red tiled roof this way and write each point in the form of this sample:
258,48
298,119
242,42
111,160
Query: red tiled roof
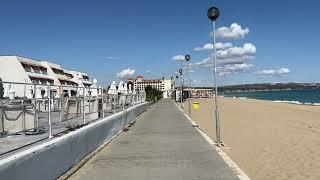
139,76
150,81
130,79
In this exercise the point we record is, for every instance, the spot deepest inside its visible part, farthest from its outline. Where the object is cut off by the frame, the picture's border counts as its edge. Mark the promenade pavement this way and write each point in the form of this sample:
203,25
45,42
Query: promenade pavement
161,145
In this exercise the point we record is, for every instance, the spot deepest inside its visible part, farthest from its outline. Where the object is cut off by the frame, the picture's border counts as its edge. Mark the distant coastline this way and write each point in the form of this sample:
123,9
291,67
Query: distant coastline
309,97
269,87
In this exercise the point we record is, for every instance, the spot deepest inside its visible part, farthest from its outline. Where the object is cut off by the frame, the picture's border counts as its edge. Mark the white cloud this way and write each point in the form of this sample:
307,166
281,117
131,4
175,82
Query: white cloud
284,71
224,73
233,55
209,46
196,81
125,73
238,67
233,69
247,50
112,58
148,71
235,31
190,69
273,72
178,58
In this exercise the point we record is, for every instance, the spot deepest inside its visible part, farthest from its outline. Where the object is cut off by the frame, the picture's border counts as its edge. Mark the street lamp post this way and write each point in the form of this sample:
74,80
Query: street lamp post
213,14
177,77
188,58
181,95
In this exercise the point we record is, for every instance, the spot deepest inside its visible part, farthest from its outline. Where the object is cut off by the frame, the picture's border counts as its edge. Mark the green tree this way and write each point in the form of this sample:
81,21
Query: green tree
152,94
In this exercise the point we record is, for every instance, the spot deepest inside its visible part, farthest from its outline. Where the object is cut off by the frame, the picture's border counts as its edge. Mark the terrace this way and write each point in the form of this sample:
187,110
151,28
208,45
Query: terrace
48,113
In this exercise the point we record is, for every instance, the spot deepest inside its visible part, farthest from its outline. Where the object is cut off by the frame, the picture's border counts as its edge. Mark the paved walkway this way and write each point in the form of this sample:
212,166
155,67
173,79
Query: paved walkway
161,145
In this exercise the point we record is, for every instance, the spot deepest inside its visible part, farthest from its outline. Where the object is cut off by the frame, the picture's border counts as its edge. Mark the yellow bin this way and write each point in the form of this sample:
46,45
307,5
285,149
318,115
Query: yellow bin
195,105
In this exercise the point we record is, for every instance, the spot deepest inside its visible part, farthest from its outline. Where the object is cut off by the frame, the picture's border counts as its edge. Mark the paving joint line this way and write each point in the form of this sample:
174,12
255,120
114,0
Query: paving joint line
87,158
235,168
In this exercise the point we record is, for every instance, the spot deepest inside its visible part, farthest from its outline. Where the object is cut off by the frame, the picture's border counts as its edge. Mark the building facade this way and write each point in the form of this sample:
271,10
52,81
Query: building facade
164,85
18,69
193,92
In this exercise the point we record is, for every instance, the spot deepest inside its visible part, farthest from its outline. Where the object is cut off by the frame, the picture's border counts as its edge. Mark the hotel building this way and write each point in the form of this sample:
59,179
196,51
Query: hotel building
164,85
24,70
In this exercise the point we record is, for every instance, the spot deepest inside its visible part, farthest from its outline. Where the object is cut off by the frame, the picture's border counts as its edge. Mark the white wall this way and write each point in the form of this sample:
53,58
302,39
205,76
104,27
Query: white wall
11,70
51,159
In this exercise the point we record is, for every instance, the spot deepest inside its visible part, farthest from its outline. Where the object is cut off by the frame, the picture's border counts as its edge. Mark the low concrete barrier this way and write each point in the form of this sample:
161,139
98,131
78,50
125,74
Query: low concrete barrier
53,158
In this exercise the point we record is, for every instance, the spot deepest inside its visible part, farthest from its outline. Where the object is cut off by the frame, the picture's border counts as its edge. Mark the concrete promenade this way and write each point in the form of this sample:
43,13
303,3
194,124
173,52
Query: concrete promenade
161,145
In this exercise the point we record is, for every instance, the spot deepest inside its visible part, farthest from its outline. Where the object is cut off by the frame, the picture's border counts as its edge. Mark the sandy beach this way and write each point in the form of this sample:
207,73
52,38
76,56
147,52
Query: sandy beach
267,140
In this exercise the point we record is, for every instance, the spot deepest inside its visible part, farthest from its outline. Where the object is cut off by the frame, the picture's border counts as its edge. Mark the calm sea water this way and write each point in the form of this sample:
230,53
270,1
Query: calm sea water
308,97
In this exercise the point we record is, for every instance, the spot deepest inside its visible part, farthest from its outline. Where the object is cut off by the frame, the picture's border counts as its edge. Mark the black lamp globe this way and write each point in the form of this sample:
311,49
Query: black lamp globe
180,71
213,13
187,57
177,76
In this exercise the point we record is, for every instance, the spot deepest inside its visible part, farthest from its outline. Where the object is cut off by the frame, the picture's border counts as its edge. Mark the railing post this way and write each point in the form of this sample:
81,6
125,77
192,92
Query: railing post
23,116
102,102
2,119
49,111
60,105
114,103
124,100
89,99
36,120
83,107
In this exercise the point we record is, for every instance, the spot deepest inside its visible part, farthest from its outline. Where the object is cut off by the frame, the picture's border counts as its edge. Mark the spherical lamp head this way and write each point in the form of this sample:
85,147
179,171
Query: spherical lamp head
180,71
177,76
213,13
187,57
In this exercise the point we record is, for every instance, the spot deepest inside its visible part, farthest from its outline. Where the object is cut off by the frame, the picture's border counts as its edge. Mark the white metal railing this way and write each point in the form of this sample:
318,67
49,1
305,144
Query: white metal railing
46,110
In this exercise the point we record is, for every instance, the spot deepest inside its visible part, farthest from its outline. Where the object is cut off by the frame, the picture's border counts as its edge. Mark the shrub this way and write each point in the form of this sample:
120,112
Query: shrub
152,94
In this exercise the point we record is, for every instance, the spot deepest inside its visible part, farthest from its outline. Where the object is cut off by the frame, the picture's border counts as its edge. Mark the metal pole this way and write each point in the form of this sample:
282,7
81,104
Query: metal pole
189,89
181,92
123,99
36,120
60,104
49,111
23,117
89,100
114,103
102,102
216,86
24,88
83,106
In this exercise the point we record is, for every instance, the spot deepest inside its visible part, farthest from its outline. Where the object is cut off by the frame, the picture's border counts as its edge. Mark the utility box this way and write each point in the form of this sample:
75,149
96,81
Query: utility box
195,105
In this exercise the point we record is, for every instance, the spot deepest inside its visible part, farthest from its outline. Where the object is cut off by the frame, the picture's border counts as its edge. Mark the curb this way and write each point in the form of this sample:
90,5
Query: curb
76,167
240,174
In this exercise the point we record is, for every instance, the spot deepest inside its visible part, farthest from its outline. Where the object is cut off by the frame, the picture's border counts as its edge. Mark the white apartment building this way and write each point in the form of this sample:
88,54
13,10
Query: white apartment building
24,70
164,85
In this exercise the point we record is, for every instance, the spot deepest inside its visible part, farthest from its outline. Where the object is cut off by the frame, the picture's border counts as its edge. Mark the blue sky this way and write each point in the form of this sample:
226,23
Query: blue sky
103,38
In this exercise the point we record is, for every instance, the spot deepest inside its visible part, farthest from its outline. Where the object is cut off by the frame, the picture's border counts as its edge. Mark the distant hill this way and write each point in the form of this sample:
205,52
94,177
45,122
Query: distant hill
269,86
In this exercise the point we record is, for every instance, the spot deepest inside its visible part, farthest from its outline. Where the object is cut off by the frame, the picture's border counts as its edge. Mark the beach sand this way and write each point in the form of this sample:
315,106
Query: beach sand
267,140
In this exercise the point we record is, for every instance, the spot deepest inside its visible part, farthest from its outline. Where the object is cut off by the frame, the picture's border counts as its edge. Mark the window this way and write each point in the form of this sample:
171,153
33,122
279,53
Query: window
43,70
27,68
36,69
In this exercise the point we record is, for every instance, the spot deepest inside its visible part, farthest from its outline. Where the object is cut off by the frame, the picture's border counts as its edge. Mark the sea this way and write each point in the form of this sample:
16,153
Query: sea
303,97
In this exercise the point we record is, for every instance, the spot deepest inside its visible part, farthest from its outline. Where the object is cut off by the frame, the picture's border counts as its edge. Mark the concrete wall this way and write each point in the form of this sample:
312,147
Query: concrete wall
52,159
11,70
